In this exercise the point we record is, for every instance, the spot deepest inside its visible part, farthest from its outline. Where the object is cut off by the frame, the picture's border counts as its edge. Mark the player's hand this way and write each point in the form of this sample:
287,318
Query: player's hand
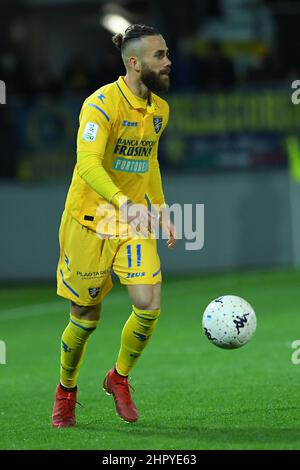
167,227
139,218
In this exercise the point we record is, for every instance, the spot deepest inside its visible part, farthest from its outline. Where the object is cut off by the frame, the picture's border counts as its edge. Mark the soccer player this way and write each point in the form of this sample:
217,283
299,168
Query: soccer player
117,167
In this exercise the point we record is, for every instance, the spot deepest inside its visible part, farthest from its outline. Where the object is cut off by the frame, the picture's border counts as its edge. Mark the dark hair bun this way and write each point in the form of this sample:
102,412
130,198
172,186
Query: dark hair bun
117,39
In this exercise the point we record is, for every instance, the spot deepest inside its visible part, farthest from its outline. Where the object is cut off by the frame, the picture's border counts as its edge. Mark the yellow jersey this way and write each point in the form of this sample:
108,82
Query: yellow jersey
117,146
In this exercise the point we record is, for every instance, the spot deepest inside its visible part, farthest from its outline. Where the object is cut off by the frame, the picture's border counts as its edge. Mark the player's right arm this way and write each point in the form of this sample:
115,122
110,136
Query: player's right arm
95,122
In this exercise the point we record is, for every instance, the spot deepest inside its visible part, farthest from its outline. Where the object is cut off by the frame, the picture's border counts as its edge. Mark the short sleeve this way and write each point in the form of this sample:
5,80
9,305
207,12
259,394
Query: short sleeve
95,122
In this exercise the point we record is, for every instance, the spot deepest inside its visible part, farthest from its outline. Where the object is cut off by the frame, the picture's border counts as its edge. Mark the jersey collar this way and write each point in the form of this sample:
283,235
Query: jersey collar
134,100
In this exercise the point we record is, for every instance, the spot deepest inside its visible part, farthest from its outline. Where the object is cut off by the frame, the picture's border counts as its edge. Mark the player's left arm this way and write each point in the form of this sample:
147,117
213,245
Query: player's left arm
157,199
156,196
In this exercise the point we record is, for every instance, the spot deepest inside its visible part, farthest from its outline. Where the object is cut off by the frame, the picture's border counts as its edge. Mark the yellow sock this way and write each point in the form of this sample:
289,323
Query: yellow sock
73,345
135,336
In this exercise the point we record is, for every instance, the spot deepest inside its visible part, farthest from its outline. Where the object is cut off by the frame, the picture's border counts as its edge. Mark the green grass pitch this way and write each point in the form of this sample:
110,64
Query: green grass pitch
190,394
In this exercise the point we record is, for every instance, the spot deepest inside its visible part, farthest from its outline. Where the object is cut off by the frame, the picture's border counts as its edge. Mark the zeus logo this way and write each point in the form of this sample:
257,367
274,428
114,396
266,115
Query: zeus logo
2,352
130,275
130,123
240,322
2,92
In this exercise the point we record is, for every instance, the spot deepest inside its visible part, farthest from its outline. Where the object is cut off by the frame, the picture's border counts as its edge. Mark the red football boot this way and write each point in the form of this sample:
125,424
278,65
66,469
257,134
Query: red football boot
118,386
63,414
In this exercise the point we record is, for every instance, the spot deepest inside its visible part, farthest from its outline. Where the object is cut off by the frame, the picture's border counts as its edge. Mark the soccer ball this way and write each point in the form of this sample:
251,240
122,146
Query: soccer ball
229,322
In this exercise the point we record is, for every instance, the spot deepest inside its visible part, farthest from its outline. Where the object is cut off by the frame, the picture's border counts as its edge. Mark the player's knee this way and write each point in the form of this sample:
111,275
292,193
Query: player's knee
155,305
144,302
146,297
147,304
88,312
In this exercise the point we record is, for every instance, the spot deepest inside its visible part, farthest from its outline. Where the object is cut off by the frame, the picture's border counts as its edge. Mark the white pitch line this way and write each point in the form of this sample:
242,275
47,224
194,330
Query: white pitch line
30,310
48,308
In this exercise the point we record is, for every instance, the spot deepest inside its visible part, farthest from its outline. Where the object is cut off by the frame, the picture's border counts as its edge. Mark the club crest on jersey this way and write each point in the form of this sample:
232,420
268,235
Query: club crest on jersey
94,291
157,122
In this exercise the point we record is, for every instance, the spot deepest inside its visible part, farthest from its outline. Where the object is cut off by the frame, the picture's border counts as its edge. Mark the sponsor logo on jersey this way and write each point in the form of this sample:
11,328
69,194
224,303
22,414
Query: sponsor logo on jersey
130,123
130,166
90,132
92,274
134,148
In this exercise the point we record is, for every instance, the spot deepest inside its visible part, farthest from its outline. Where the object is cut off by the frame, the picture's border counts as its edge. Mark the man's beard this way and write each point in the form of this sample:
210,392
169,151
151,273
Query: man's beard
153,81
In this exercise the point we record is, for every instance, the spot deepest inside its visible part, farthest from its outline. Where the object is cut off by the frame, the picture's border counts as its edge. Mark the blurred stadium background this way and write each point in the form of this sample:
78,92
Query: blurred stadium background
232,129
232,144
